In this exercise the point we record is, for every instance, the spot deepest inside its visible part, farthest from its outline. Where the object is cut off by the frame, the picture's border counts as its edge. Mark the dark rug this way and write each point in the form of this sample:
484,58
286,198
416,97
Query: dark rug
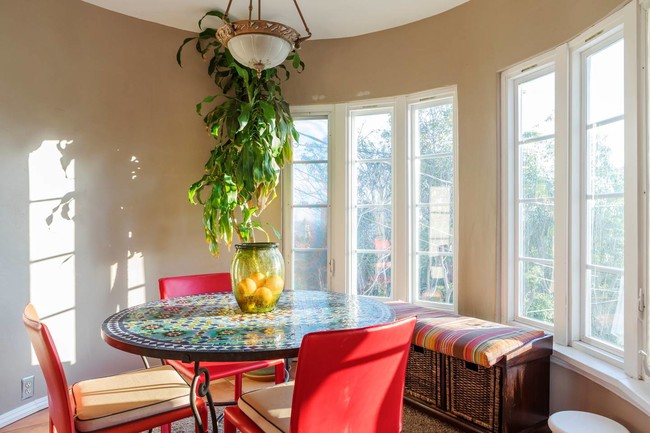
414,421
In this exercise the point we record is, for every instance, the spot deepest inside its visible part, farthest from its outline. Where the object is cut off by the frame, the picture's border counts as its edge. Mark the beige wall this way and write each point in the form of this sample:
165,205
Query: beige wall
73,71
110,83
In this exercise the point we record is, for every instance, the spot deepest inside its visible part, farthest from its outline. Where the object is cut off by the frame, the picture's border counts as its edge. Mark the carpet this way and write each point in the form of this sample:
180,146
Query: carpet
414,421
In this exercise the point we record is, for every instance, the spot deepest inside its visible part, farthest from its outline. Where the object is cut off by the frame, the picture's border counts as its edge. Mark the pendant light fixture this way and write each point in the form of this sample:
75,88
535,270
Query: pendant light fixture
260,44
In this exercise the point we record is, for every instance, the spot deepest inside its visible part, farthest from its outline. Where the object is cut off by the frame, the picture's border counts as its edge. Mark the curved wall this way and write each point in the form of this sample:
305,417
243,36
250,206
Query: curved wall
466,46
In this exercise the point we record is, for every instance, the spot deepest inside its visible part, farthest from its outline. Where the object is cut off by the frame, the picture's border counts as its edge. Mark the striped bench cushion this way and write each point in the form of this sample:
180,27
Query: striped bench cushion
473,340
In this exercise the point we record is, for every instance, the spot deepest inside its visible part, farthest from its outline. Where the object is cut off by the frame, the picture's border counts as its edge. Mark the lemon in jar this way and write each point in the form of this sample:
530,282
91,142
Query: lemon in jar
246,287
275,283
258,277
264,296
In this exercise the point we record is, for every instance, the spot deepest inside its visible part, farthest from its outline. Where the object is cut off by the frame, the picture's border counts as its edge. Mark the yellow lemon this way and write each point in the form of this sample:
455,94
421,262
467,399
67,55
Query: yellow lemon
258,277
246,287
275,283
264,295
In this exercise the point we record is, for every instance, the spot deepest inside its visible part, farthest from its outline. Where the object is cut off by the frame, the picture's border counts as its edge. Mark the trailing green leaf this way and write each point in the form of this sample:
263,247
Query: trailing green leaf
253,131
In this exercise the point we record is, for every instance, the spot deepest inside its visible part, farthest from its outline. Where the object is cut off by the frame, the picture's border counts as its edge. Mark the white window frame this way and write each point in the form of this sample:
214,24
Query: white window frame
351,217
531,69
618,373
341,189
445,93
298,113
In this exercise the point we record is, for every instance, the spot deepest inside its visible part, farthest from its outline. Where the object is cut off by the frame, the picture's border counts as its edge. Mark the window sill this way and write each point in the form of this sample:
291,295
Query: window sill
636,392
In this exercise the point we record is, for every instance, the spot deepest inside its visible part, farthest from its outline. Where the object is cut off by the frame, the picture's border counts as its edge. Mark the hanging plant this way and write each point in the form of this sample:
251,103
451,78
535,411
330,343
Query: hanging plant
253,131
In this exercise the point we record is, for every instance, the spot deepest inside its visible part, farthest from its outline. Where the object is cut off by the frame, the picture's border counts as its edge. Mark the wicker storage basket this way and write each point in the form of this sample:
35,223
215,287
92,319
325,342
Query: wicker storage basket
474,392
424,378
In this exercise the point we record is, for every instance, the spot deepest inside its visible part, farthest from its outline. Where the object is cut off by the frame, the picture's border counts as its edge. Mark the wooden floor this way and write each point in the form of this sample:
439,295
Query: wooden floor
37,423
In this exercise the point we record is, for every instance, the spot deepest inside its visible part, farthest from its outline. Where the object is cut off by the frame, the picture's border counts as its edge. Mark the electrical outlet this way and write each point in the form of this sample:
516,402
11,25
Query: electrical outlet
27,387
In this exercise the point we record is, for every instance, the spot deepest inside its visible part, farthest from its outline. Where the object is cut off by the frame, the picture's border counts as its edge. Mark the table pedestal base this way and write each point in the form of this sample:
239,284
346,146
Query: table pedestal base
204,391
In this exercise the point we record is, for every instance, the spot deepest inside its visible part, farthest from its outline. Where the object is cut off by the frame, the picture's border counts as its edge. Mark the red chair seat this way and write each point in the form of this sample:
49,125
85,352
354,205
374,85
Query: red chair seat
125,403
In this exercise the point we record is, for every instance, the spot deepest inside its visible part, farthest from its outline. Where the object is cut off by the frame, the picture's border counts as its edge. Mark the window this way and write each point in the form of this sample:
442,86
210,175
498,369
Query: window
534,184
371,215
602,192
392,198
571,205
307,242
432,139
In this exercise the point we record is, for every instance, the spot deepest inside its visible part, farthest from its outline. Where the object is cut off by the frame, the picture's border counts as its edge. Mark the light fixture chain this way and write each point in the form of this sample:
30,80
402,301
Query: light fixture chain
225,15
295,2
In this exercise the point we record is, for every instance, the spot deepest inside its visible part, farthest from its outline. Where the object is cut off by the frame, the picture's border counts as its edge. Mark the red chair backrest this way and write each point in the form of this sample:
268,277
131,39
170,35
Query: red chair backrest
352,380
171,287
59,408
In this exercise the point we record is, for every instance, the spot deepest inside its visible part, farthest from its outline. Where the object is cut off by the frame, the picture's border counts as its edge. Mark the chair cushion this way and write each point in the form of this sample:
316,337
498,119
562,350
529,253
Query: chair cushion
113,400
269,408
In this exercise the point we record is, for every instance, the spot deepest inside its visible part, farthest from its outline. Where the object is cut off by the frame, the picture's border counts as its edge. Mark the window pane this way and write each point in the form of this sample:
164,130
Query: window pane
311,270
435,229
310,227
436,177
535,191
606,153
313,141
374,183
536,282
309,183
434,132
435,278
605,232
536,230
605,295
374,274
310,200
374,227
537,169
604,74
537,107
372,134
603,200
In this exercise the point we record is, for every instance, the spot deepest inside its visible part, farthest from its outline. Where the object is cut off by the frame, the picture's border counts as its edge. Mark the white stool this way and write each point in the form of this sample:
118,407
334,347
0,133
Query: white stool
573,421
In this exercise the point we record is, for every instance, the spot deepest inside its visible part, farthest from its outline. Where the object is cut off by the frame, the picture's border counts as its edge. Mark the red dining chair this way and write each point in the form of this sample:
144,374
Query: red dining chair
125,403
171,287
346,381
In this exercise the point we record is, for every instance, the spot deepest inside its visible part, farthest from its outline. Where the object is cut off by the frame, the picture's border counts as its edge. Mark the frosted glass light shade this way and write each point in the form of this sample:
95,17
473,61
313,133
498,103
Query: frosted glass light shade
259,51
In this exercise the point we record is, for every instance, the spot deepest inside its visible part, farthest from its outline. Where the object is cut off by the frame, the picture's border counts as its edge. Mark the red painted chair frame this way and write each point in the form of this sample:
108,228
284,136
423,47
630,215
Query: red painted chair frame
347,380
171,287
60,401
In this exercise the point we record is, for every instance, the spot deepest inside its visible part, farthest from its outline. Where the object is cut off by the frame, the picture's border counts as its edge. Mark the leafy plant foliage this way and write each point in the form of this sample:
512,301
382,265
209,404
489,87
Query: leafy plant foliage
253,129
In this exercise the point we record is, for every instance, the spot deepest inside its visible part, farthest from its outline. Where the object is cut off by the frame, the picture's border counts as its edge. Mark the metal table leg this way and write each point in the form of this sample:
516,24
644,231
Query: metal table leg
204,391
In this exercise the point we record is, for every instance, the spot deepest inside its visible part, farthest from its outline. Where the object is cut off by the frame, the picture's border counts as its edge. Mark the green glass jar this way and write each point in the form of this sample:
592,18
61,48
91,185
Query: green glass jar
257,274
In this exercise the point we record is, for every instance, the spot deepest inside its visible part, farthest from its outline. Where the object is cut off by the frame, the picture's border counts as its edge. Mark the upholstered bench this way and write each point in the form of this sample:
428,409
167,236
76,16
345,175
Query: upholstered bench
481,376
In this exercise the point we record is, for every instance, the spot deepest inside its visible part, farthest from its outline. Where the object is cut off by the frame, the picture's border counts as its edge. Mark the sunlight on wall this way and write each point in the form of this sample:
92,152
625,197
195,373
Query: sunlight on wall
135,279
52,243
134,173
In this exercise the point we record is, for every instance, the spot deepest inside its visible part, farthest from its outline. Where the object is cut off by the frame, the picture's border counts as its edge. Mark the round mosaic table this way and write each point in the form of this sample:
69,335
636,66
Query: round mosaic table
211,327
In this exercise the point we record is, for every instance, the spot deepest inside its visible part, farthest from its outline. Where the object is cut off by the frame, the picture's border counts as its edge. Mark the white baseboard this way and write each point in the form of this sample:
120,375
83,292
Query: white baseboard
21,412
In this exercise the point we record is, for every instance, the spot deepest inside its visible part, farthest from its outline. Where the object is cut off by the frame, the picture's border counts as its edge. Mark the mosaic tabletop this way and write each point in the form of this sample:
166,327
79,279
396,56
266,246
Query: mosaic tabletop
211,327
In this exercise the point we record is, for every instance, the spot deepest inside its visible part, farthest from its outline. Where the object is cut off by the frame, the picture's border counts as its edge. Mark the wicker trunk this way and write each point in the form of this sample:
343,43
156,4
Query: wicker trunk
511,396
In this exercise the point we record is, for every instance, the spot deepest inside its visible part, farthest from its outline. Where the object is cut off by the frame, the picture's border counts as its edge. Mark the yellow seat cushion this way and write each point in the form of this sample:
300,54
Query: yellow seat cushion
269,408
113,400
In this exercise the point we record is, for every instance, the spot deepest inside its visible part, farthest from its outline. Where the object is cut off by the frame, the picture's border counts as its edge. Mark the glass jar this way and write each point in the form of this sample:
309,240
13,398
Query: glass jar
257,274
